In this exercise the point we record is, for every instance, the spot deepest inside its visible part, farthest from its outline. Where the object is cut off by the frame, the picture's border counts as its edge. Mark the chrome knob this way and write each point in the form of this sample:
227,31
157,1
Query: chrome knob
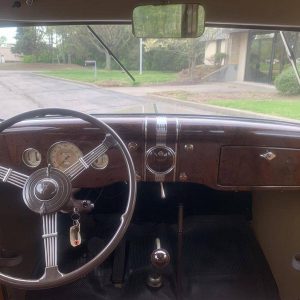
189,147
160,258
132,146
154,281
268,155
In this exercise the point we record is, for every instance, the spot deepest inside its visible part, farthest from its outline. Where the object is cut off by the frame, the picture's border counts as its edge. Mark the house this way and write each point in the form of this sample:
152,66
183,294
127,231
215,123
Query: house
247,55
7,56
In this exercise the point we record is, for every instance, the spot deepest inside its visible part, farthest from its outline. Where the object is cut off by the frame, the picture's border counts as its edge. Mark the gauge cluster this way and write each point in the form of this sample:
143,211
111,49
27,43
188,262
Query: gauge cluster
160,159
61,156
32,158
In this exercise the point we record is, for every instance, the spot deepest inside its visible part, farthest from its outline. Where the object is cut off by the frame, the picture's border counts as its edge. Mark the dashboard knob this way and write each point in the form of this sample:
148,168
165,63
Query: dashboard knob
183,176
189,147
160,258
132,146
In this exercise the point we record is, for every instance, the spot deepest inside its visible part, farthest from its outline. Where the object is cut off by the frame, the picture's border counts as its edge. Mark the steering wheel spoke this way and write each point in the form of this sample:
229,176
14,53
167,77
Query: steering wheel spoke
50,274
12,177
50,239
84,162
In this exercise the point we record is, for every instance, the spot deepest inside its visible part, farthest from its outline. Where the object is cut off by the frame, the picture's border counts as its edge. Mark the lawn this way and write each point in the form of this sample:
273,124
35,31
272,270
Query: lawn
114,77
280,106
277,107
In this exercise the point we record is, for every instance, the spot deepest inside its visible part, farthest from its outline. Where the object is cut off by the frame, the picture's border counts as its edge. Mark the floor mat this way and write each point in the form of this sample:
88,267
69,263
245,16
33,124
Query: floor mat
221,260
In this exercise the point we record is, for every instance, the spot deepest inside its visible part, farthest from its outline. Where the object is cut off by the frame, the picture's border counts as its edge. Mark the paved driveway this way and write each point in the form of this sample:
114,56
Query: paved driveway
23,90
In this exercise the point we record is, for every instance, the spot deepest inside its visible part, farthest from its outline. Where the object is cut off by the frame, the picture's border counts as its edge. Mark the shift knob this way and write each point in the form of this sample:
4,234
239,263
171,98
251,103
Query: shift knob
160,258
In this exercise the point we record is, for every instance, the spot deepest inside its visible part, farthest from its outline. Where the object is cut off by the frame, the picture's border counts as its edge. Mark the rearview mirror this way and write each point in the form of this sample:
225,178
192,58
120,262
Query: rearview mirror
168,21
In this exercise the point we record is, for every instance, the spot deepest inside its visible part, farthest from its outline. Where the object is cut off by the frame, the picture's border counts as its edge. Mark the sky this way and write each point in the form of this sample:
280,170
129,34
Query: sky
9,33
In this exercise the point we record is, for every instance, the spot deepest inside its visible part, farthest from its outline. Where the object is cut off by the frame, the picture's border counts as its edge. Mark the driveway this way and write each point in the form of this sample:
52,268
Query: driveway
23,90
204,88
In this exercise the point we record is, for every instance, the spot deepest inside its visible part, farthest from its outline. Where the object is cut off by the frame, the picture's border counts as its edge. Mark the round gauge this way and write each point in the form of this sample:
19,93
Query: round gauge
160,160
31,158
101,162
62,155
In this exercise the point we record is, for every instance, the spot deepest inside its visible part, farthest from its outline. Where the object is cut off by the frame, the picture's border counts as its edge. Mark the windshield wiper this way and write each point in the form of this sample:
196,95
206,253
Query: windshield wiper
109,51
290,54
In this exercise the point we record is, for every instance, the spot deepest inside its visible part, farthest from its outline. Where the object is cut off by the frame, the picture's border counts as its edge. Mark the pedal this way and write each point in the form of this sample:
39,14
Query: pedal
118,270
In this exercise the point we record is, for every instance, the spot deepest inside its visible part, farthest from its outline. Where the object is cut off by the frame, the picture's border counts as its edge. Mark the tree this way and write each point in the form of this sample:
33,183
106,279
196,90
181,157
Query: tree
31,41
26,40
76,44
3,40
193,49
72,43
114,36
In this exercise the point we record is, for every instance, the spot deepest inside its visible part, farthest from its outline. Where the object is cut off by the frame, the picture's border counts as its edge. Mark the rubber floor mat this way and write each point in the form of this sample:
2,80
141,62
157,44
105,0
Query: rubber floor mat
221,260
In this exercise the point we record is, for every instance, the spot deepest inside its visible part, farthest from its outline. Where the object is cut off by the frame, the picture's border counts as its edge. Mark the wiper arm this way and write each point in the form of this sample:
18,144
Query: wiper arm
290,54
109,51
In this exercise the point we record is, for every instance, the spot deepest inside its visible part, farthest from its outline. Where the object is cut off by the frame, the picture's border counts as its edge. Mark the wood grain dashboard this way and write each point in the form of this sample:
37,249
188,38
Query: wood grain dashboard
222,153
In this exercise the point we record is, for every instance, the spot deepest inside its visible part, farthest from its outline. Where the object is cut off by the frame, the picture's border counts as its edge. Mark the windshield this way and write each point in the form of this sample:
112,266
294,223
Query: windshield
225,72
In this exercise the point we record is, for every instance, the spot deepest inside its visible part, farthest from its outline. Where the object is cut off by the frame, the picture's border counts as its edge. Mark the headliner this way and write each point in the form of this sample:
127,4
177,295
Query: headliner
230,13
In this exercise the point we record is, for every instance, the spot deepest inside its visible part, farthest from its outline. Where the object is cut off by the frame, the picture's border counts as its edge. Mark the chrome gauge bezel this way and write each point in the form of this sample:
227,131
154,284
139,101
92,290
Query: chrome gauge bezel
26,162
55,145
104,166
170,150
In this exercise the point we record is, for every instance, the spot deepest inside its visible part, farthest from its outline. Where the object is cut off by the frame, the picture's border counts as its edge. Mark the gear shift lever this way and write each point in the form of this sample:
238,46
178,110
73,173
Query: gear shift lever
160,259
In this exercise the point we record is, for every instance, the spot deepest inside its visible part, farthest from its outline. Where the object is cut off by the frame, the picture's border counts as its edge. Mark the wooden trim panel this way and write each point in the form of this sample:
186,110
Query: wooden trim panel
196,141
259,166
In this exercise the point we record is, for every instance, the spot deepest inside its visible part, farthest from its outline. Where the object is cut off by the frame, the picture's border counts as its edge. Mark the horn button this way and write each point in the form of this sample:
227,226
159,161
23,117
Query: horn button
46,194
46,189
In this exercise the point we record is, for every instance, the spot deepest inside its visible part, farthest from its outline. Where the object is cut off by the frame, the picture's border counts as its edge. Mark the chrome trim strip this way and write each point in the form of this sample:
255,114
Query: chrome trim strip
161,131
85,165
161,140
6,176
176,148
49,235
145,153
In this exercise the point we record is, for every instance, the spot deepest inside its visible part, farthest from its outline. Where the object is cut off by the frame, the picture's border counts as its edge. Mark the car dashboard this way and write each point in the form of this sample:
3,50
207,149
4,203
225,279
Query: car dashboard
221,153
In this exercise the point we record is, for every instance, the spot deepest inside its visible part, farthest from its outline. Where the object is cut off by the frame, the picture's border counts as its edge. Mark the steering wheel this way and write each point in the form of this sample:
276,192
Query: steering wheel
47,191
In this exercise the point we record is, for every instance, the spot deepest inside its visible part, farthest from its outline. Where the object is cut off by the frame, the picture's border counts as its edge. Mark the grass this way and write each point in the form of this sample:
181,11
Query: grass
114,77
279,106
283,108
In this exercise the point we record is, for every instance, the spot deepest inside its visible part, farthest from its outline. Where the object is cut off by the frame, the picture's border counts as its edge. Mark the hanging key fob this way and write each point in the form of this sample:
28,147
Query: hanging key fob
75,236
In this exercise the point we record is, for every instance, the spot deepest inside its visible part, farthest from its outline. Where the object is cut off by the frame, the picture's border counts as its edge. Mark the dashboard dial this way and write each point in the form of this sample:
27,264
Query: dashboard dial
31,158
101,162
160,160
62,155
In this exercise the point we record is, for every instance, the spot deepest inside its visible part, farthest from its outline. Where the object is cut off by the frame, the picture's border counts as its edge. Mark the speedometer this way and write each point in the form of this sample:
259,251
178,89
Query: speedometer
62,155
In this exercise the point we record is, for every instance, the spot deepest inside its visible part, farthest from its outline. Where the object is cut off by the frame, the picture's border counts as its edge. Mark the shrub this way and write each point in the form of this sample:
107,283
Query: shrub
28,59
219,58
163,60
286,82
